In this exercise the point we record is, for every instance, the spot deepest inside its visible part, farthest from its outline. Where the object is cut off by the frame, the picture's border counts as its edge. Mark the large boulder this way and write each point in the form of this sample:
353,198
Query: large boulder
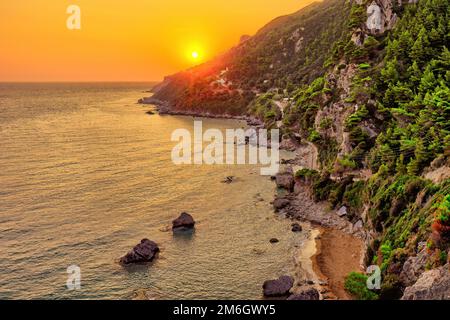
310,294
279,287
432,285
184,222
145,251
285,181
280,203
414,266
342,211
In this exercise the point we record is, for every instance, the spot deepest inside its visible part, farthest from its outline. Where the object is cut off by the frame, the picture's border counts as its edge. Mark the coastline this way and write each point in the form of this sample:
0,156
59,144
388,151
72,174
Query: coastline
163,109
325,259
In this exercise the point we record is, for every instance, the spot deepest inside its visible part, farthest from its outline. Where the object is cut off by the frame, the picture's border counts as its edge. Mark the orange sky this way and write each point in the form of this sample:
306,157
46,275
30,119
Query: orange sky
123,40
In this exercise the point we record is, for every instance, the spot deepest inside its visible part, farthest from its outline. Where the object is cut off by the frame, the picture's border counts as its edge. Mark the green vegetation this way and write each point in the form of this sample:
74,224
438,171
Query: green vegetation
414,86
283,55
265,109
356,285
394,111
403,80
306,173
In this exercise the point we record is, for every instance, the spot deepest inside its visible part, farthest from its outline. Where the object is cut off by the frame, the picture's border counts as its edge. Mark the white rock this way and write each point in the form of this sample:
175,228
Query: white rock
342,211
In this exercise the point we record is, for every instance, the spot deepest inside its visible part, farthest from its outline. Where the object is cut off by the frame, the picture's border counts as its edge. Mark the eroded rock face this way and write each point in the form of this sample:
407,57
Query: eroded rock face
145,251
432,285
288,144
380,16
414,266
279,287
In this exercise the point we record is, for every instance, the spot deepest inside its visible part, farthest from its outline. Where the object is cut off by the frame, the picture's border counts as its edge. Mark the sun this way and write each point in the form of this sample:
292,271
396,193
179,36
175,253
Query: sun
195,55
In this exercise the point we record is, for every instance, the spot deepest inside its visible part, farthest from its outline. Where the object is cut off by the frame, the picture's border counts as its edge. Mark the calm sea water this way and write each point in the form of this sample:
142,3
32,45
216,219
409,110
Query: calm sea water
85,174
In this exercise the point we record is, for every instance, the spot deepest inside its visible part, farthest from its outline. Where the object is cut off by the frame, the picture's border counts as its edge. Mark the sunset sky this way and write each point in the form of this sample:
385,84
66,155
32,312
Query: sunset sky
123,40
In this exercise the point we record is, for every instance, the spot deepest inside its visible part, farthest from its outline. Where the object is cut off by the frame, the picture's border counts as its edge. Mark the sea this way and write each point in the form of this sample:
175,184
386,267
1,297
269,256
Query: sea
86,173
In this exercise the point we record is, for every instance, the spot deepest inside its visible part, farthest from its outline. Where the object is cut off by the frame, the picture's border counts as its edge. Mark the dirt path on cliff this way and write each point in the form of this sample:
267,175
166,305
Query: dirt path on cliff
338,254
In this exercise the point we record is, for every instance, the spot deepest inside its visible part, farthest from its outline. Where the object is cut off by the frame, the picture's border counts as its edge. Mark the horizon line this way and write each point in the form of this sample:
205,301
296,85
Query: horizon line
83,81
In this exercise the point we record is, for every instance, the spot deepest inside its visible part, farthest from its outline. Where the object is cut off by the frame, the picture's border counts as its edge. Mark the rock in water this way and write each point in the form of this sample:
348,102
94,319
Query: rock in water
296,228
279,287
228,180
184,222
310,294
143,252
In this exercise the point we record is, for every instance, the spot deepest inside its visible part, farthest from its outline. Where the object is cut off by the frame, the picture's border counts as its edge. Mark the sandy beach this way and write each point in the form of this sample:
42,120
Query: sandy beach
337,254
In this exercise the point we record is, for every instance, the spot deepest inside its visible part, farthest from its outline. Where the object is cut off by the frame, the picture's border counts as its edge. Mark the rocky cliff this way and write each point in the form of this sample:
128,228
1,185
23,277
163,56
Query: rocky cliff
361,90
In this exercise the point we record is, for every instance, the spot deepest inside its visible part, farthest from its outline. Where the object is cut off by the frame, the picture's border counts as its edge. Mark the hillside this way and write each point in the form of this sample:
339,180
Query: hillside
365,85
267,60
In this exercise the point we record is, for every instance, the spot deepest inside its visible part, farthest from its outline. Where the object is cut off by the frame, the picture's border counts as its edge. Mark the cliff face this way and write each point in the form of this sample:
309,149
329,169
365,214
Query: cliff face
363,87
379,117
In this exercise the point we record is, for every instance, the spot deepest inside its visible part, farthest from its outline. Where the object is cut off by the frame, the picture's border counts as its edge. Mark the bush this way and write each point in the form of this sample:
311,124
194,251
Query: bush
347,163
306,173
357,16
353,195
364,66
314,136
356,285
356,117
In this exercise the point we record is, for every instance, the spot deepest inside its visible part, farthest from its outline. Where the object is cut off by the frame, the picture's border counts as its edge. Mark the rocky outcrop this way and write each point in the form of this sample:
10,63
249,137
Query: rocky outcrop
184,222
280,203
380,16
279,287
414,266
432,285
145,251
342,211
439,170
288,144
310,294
285,181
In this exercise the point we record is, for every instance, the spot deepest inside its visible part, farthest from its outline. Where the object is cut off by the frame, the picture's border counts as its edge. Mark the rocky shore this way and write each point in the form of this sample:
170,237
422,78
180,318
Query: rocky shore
164,109
337,246
342,240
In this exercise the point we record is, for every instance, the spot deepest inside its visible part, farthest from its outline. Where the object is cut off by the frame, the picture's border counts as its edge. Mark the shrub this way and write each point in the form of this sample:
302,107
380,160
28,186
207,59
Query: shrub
353,194
314,136
326,123
356,117
364,66
357,16
347,163
356,285
306,173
